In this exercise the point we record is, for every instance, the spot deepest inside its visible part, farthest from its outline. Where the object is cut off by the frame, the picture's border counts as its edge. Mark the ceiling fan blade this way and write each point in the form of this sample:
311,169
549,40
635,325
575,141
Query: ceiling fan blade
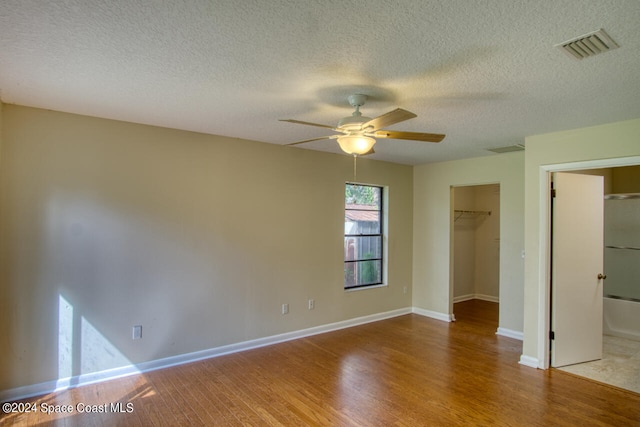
306,123
392,117
413,136
309,140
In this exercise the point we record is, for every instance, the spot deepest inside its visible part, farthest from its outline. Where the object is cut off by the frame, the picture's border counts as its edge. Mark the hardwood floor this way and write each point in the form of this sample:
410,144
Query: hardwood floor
405,371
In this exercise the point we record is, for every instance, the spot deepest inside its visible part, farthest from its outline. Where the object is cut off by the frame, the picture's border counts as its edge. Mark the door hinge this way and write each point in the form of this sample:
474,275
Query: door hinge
553,193
552,335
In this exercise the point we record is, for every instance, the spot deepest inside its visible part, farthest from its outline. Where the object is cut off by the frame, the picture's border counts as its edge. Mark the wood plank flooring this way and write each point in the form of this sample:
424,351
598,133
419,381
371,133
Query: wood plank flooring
405,371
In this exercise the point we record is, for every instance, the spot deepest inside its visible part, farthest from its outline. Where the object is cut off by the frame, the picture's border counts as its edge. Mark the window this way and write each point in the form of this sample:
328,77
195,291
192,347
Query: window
363,247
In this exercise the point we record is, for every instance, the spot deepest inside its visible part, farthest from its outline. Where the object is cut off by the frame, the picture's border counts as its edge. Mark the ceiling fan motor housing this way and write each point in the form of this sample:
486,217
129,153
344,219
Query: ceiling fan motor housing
353,123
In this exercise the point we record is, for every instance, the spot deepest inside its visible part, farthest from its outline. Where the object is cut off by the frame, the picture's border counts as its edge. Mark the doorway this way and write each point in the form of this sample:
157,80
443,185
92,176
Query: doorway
476,245
619,352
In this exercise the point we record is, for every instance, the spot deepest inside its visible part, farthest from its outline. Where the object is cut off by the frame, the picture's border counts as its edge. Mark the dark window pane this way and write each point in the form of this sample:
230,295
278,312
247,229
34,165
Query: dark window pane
363,236
362,273
362,248
369,272
350,274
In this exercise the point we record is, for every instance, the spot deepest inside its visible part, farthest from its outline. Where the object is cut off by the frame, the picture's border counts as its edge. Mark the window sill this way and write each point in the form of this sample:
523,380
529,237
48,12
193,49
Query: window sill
364,288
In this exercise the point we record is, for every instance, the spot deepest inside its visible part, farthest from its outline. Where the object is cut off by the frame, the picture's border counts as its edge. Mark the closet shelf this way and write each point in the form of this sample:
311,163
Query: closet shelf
622,298
622,247
622,196
459,213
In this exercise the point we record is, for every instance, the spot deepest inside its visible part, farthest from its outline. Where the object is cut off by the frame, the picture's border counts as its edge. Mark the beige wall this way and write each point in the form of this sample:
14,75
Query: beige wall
433,218
1,133
4,300
200,239
197,238
593,147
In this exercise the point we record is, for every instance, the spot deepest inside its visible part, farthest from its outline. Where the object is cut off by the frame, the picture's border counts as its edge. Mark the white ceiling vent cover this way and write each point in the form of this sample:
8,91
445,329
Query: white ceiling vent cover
588,45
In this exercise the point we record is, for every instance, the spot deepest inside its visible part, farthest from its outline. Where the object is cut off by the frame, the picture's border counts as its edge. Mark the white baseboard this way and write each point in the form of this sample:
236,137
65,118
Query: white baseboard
510,333
529,361
91,378
31,390
462,298
433,314
490,298
482,297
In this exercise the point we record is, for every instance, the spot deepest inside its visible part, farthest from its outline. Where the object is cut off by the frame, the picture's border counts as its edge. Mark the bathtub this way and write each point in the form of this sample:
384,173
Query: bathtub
621,318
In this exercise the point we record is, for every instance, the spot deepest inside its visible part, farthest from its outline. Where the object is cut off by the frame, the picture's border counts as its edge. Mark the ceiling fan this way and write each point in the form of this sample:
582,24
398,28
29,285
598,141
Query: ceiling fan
358,132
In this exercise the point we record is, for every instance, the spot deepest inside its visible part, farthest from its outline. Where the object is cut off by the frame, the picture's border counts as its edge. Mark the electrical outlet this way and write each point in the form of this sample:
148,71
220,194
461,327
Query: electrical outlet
137,332
312,304
285,308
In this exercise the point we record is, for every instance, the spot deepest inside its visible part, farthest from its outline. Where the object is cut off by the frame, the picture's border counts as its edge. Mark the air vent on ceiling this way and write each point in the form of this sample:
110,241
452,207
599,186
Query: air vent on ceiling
507,149
588,45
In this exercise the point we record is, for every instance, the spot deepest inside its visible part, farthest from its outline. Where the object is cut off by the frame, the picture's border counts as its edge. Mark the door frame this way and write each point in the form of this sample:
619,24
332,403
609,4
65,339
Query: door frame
544,239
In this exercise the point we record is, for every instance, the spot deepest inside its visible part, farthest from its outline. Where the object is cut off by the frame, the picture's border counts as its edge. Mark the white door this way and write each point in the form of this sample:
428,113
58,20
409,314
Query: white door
577,263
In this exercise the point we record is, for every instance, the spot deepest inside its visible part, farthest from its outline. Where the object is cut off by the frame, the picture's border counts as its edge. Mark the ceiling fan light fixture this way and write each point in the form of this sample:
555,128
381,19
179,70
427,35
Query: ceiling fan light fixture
358,130
356,144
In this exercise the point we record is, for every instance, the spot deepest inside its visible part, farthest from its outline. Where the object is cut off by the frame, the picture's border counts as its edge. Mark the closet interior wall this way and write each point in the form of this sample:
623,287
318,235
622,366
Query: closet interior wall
476,242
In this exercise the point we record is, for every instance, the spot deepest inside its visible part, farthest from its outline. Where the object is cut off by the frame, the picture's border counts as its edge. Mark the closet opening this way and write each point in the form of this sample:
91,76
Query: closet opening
476,252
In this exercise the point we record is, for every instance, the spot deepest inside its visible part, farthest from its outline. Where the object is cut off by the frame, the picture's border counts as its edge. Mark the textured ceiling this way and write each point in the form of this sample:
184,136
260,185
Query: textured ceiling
485,73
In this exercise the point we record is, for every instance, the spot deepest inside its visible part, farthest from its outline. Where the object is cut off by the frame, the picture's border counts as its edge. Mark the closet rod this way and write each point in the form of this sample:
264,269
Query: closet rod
463,212
473,212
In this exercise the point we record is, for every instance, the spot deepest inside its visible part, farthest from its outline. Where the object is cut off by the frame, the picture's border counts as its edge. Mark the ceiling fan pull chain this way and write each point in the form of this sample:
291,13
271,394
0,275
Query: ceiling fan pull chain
355,157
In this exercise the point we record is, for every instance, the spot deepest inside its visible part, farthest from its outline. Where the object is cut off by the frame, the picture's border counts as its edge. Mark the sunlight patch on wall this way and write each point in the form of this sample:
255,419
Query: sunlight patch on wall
65,338
82,349
96,352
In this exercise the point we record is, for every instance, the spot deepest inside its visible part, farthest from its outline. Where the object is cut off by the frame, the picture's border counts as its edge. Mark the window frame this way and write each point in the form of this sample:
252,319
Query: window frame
382,226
